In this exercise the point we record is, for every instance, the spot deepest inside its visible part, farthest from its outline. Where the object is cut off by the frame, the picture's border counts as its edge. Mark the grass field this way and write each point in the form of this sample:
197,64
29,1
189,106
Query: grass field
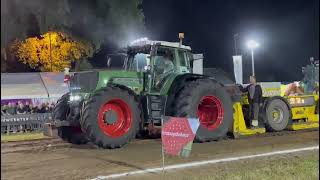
304,166
300,168
22,137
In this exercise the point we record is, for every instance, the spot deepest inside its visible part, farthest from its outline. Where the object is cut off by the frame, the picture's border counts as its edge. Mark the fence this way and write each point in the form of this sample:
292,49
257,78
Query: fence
23,122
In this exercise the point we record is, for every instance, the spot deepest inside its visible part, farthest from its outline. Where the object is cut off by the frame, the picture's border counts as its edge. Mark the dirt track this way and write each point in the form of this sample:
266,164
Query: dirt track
86,161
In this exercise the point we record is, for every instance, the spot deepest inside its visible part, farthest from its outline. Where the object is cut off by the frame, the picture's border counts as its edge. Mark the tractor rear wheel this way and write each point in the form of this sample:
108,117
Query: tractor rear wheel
70,134
112,117
276,115
210,102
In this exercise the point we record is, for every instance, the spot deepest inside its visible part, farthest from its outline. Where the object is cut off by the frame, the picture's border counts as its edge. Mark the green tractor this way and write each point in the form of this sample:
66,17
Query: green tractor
112,107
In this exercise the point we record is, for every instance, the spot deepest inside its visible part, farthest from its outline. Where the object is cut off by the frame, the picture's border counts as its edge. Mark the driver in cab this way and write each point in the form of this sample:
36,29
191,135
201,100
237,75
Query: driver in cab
164,65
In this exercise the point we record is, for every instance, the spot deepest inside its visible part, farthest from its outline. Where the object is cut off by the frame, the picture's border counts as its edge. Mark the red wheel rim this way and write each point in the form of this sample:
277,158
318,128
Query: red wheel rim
210,112
115,118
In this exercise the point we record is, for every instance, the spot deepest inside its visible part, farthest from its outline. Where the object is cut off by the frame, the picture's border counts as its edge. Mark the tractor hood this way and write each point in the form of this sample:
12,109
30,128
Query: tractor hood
84,81
90,81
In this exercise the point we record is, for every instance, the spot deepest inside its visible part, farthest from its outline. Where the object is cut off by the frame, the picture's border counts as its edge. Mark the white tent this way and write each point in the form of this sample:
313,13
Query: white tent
32,85
54,84
22,86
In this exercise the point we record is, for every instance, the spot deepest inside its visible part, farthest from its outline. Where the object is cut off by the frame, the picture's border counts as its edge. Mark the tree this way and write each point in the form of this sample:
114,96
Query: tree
95,21
22,19
52,51
100,22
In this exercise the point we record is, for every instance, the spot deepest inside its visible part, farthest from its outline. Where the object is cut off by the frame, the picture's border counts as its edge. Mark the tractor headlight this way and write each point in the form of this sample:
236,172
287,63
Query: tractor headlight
75,98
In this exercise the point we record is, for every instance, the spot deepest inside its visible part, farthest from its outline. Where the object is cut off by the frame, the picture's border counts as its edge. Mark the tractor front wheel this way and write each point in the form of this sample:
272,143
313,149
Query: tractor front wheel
112,117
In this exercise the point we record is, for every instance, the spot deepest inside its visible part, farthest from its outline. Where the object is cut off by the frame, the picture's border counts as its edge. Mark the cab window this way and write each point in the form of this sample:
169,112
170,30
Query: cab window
164,61
138,62
182,58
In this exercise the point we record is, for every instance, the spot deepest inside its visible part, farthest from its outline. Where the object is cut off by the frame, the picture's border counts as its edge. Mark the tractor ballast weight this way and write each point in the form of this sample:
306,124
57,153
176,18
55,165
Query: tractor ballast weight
279,112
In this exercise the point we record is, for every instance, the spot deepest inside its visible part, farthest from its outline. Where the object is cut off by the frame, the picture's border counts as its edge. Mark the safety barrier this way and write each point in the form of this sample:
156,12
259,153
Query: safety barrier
23,122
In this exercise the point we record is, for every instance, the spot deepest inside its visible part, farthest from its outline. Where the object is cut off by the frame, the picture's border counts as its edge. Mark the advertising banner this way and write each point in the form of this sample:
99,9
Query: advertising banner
237,66
178,134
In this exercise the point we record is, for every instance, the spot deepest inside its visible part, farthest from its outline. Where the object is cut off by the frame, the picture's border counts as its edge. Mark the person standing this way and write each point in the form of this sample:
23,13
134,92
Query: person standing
21,109
27,107
254,91
11,110
42,108
35,109
4,109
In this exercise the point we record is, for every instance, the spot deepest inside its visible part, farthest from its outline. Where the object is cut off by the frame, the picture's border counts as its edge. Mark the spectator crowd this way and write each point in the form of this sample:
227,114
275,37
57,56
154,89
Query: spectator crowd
11,108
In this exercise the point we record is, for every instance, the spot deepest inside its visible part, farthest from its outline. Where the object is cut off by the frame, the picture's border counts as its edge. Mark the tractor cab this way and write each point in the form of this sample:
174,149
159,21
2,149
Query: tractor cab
160,61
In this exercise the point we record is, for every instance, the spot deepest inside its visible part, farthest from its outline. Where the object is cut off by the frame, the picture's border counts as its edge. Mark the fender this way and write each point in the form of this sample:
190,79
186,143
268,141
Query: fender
181,79
176,85
124,87
131,92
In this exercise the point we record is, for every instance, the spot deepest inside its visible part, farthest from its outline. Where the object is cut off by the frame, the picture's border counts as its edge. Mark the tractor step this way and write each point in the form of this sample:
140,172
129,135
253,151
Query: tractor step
156,105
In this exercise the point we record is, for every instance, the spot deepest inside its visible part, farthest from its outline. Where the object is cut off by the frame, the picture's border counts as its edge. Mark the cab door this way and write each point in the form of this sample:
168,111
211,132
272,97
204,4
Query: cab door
164,64
183,61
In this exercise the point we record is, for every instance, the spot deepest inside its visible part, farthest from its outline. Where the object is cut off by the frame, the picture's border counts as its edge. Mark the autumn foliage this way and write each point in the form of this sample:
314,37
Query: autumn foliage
64,50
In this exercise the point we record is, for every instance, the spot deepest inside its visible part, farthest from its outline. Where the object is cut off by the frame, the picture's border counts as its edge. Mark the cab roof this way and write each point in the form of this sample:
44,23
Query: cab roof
146,42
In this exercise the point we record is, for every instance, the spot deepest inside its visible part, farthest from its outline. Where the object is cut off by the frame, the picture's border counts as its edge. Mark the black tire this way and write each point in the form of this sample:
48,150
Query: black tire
89,120
282,112
189,99
72,135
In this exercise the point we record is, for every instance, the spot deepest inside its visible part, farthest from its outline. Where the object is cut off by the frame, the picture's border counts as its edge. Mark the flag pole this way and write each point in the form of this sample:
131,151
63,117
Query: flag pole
162,116
162,150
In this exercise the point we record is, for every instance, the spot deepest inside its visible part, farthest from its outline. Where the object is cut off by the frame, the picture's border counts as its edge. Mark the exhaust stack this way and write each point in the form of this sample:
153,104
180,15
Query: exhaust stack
181,37
66,78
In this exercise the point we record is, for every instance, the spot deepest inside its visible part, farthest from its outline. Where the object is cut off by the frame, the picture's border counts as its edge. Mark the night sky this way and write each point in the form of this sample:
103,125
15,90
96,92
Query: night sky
287,30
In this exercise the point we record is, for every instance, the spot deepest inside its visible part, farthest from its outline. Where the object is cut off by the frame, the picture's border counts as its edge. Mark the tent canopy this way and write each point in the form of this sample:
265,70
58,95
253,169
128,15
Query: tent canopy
32,85
54,84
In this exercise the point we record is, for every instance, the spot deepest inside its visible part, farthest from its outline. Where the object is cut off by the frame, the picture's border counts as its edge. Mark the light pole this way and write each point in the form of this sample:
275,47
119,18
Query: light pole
252,45
50,50
235,43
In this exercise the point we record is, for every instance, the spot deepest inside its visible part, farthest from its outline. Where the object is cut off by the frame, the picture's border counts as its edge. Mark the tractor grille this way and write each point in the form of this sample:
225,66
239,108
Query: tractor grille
84,81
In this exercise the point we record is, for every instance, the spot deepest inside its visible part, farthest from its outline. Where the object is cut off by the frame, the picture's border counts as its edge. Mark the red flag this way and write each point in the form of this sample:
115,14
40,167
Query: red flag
177,133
